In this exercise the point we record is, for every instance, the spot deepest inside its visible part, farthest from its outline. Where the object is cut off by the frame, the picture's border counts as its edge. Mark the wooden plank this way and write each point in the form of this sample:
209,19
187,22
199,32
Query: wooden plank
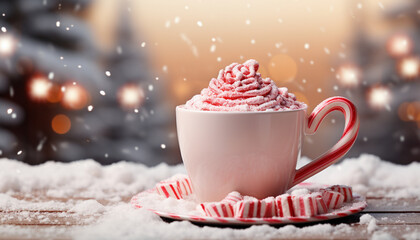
393,205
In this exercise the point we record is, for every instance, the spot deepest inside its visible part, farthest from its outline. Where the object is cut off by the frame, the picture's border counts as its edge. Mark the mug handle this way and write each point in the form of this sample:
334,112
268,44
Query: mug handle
341,147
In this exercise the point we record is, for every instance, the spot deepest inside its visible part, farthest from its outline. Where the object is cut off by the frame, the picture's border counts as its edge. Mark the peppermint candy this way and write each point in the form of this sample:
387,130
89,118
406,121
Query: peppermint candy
179,186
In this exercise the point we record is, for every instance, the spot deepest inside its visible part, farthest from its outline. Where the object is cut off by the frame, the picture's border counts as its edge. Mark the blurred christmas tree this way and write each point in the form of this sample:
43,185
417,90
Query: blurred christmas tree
382,78
60,100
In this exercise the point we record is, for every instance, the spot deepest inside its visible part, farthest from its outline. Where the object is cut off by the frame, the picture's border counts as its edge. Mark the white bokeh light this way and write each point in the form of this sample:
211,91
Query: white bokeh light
348,76
130,96
409,67
399,45
379,97
39,87
7,45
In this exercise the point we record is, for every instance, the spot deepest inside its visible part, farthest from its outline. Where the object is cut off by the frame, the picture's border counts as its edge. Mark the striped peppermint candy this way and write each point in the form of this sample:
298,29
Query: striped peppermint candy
284,204
320,204
184,185
342,146
224,208
345,190
251,207
233,197
218,209
178,186
168,189
332,199
268,207
305,205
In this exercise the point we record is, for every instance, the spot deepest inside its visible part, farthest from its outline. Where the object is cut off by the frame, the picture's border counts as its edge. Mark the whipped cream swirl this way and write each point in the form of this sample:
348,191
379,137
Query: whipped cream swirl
239,87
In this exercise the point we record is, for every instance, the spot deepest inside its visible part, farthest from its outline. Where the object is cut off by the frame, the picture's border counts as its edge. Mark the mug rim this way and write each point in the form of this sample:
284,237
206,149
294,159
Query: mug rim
182,108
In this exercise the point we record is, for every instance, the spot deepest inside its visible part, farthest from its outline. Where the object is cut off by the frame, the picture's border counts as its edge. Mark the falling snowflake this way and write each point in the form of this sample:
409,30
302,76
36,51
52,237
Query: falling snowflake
177,19
3,29
219,59
247,22
9,111
102,92
168,24
252,41
90,108
199,23
212,48
326,50
143,44
150,87
278,45
163,146
306,46
57,23
119,50
319,90
108,73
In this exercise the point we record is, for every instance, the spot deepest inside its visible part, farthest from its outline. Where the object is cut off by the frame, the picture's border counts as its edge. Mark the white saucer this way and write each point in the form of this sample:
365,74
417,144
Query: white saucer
182,210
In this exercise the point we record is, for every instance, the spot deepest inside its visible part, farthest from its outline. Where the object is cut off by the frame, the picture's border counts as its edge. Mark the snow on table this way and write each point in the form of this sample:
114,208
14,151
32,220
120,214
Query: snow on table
84,200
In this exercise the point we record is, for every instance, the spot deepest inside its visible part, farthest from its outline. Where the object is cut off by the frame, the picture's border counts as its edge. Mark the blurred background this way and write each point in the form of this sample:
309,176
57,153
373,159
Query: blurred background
101,78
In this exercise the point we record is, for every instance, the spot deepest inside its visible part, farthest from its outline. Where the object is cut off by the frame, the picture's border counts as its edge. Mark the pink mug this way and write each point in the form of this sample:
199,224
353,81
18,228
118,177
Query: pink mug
255,153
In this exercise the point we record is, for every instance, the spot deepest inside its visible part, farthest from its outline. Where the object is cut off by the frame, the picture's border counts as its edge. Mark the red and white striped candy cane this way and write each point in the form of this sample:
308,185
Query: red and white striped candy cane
341,147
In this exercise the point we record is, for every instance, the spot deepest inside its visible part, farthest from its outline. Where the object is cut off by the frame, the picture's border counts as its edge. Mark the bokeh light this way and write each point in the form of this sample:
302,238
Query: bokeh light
409,111
130,96
7,44
409,67
379,97
61,124
349,75
39,87
399,45
74,96
282,68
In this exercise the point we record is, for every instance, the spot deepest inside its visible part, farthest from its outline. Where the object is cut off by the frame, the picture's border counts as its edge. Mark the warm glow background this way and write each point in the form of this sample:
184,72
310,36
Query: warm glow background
298,43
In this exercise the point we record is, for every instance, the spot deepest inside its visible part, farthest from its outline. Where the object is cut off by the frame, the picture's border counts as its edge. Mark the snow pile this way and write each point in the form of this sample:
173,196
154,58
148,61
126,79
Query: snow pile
88,207
103,191
370,221
370,172
81,179
123,222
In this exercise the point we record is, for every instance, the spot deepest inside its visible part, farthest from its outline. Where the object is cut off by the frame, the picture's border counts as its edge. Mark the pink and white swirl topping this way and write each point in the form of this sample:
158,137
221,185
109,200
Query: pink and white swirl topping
239,87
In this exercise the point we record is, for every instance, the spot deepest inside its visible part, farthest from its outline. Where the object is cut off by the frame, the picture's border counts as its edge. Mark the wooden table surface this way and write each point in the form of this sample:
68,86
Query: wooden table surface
394,216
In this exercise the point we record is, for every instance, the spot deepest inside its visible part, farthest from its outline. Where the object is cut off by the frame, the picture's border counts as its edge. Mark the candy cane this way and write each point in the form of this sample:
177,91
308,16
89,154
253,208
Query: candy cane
342,146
